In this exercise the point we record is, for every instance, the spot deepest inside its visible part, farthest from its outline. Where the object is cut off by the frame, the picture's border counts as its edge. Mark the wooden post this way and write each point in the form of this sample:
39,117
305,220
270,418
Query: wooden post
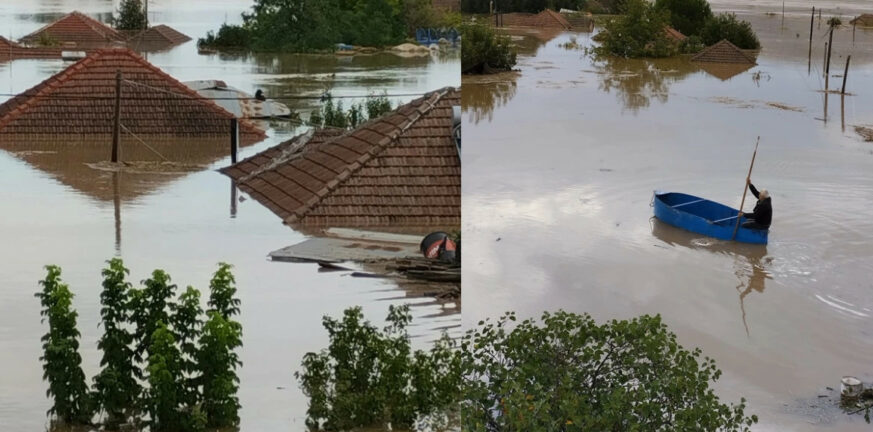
826,108
116,123
828,62
854,23
824,59
843,111
234,139
846,74
809,60
233,198
116,200
783,16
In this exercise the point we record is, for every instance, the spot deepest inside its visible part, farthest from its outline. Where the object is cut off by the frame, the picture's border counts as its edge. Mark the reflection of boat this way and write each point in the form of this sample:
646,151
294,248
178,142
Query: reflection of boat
703,217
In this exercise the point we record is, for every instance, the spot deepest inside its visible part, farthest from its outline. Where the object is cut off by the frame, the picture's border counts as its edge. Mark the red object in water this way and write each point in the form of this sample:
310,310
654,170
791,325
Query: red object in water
433,252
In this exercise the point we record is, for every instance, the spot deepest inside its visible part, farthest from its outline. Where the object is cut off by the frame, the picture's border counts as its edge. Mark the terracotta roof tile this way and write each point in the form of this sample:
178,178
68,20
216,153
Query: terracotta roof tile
379,175
545,19
80,100
157,38
723,52
79,30
11,50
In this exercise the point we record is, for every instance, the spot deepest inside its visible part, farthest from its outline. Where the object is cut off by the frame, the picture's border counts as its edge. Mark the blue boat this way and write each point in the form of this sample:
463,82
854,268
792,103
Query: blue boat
703,216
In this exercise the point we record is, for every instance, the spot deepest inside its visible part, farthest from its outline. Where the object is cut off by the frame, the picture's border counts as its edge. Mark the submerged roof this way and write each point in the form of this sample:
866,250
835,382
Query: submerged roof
157,38
12,50
81,100
723,52
79,30
545,19
674,34
401,170
725,71
864,20
238,102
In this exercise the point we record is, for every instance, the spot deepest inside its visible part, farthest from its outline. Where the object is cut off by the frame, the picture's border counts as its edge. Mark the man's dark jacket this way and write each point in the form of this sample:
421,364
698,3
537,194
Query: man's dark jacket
763,212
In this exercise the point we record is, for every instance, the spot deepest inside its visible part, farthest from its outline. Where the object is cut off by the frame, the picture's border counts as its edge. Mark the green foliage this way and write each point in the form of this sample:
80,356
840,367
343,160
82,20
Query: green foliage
166,389
687,16
149,307
229,36
222,292
691,45
62,364
186,323
567,373
483,50
332,113
116,387
47,40
218,363
371,377
131,16
727,26
637,33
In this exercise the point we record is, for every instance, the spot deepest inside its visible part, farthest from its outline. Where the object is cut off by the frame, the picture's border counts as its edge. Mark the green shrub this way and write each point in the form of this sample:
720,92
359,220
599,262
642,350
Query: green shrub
332,114
485,51
166,387
371,377
229,36
691,45
62,364
727,26
637,33
567,373
687,16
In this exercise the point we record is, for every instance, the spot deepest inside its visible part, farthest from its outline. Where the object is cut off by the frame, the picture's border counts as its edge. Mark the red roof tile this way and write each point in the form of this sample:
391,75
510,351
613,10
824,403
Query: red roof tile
79,30
81,98
723,52
674,34
545,19
157,37
12,50
401,170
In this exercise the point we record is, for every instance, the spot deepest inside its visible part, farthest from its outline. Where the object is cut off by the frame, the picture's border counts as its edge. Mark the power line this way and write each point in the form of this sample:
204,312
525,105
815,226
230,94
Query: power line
322,97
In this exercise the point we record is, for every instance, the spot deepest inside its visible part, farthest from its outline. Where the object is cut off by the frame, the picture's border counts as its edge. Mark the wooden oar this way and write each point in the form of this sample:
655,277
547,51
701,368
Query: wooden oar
745,189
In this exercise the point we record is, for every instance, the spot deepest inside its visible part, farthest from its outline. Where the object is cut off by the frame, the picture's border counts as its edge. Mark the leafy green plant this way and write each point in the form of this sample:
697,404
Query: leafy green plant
116,388
186,323
222,292
229,36
687,16
377,106
150,306
567,373
166,389
131,16
332,113
637,33
62,364
485,51
691,45
218,362
727,26
372,377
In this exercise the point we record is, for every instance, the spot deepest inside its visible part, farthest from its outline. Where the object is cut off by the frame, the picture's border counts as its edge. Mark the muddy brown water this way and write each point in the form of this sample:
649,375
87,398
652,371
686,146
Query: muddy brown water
58,210
559,168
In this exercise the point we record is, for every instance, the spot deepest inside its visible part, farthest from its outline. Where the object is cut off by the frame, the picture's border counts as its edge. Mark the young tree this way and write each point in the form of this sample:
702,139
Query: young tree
150,306
727,26
61,360
116,388
638,33
687,16
571,374
217,359
218,363
166,389
186,322
131,16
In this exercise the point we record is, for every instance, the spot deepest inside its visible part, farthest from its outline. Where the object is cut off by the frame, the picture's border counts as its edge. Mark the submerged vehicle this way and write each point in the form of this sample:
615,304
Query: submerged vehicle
705,217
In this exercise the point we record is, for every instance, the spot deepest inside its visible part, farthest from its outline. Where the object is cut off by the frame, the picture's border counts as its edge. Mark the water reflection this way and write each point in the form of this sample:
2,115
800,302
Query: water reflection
637,82
750,262
487,93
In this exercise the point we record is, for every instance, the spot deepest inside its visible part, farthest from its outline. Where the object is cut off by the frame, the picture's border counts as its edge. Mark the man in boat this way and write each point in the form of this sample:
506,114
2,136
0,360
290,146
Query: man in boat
763,213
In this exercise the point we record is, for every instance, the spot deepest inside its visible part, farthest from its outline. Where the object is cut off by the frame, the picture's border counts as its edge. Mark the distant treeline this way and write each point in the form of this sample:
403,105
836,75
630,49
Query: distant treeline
534,6
305,26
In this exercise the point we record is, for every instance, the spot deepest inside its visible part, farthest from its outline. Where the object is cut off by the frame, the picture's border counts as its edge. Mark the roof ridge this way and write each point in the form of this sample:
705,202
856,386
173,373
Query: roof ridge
431,100
90,22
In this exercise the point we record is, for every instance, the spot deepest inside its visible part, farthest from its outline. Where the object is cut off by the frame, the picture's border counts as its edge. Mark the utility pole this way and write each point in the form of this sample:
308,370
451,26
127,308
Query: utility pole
809,59
846,75
147,13
828,64
116,123
234,139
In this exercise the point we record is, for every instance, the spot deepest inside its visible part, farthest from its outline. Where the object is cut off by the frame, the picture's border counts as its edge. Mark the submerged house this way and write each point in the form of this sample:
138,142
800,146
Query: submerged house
10,50
724,60
400,172
157,38
863,20
545,19
76,30
79,103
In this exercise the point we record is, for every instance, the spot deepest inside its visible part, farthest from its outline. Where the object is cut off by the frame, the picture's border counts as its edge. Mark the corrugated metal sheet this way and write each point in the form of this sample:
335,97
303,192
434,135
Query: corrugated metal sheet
238,102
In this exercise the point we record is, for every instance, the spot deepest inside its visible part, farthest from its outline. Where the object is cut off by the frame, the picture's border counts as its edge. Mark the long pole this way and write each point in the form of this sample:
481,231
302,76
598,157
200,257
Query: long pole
745,189
846,74
147,13
234,139
116,123
809,61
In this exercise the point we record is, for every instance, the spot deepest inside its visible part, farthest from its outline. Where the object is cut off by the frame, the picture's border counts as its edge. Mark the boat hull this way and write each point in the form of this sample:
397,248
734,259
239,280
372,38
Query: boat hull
703,216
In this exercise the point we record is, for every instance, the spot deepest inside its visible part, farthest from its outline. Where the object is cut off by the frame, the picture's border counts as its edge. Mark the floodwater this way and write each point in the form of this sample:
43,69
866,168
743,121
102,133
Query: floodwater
58,210
561,160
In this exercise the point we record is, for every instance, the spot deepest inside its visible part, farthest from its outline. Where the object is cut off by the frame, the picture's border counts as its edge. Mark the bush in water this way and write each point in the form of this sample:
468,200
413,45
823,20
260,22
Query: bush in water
131,16
637,33
62,364
687,16
567,373
372,377
727,26
484,51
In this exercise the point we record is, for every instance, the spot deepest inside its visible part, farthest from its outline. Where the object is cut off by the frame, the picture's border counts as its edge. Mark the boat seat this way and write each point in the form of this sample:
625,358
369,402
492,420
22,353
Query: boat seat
689,202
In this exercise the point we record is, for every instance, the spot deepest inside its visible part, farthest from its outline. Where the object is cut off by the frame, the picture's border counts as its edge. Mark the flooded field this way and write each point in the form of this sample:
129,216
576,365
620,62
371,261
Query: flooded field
560,165
61,207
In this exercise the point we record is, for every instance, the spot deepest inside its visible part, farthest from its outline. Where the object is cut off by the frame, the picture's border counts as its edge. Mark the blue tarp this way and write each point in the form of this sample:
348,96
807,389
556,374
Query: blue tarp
427,36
